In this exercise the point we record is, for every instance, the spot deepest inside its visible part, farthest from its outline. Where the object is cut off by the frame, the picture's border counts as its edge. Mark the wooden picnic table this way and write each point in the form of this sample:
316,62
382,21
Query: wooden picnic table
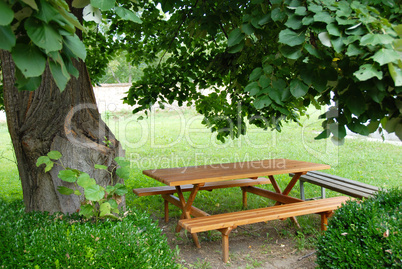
198,176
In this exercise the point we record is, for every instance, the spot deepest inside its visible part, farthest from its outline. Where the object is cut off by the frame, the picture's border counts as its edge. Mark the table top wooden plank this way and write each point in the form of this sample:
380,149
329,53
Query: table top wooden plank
226,171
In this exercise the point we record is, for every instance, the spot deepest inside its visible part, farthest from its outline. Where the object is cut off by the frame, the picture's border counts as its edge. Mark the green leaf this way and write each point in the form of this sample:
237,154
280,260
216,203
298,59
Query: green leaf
77,192
54,155
314,8
104,209
126,14
312,51
308,20
291,38
333,29
6,14
7,40
252,87
49,166
384,56
337,44
358,128
115,210
87,211
103,5
46,12
123,172
339,131
398,45
80,3
68,175
354,50
276,95
293,53
99,166
256,74
94,193
70,18
85,181
391,125
301,11
43,35
373,126
29,60
45,160
368,71
323,16
237,48
277,14
75,45
376,39
235,37
26,84
247,28
264,81
71,68
113,203
31,3
110,190
294,22
120,189
356,103
323,135
298,88
60,75
122,161
396,74
261,102
64,190
42,160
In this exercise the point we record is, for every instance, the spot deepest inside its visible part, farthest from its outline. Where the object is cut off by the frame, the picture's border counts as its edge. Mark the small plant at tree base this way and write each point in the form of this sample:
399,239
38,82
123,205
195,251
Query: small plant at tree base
99,202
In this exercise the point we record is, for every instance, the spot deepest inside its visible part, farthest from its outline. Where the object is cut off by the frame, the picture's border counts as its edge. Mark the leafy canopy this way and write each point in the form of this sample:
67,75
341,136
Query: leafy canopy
263,62
43,32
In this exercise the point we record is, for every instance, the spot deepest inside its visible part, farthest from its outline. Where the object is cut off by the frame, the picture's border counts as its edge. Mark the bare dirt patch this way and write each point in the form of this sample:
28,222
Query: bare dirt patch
275,244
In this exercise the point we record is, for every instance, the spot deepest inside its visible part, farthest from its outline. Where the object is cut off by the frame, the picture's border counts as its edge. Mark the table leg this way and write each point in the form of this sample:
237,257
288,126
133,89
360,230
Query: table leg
287,190
186,207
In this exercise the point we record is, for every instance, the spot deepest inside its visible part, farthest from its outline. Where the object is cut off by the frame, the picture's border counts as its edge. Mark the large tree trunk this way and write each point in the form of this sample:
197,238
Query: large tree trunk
46,120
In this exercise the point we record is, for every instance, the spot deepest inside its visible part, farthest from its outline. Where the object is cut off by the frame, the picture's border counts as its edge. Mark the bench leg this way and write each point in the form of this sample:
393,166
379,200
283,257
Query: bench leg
166,210
225,243
302,190
324,220
244,192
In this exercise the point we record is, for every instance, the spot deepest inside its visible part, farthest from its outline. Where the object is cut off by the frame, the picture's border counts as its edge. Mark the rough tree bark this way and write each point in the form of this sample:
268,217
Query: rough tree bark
45,120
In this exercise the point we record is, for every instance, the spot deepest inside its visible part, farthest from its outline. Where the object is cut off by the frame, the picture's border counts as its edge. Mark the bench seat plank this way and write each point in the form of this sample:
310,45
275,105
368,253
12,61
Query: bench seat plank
339,184
225,223
322,175
208,186
216,222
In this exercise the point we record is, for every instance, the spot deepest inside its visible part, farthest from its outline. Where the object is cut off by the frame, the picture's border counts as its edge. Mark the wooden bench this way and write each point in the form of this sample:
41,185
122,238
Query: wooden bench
225,223
339,184
168,191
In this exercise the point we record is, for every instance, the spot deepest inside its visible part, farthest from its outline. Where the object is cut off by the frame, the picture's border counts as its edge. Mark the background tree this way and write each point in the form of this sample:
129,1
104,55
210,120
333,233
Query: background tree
48,96
265,62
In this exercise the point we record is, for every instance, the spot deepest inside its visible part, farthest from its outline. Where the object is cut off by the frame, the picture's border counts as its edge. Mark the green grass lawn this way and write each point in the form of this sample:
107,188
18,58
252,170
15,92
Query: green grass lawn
177,138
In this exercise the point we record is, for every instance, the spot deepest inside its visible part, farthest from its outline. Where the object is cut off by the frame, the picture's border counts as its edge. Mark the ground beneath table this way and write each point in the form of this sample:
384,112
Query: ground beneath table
275,244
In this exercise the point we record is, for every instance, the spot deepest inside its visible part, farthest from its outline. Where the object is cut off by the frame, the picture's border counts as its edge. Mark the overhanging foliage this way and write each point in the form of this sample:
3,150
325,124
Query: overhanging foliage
266,61
263,62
